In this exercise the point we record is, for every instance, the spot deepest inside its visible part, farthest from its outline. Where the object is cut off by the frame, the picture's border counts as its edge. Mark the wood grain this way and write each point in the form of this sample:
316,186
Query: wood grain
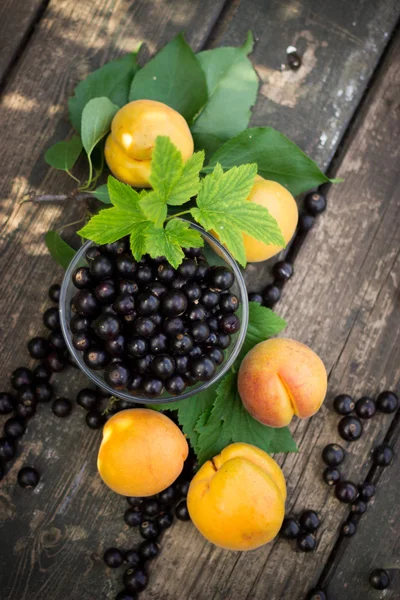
343,301
17,17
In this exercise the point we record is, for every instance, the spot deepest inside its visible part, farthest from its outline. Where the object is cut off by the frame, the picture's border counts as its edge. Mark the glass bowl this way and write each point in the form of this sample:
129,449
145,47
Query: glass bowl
215,254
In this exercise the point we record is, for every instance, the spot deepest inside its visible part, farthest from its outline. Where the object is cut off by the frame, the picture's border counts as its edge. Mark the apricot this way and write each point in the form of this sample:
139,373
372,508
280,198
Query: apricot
134,130
281,204
280,378
237,499
142,452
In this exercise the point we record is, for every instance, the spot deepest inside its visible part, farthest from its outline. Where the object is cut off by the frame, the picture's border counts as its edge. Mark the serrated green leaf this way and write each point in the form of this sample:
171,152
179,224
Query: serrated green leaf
230,422
108,226
189,183
96,121
277,157
232,85
60,251
222,206
101,193
263,324
137,239
174,77
154,207
63,155
113,80
170,240
124,197
166,166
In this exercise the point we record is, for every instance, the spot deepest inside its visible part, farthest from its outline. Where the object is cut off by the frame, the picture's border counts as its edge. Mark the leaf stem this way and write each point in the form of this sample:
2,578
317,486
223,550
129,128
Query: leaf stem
184,212
70,224
73,176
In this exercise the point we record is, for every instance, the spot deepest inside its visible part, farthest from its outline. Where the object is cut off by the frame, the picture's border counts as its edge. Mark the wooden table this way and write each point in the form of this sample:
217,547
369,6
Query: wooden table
342,107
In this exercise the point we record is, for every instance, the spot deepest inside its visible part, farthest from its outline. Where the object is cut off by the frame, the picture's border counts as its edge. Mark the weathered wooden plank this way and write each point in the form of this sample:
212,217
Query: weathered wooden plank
52,538
343,302
16,19
376,544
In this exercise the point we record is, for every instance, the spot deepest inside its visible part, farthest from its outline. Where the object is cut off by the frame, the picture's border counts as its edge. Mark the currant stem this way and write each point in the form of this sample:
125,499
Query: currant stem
38,198
184,212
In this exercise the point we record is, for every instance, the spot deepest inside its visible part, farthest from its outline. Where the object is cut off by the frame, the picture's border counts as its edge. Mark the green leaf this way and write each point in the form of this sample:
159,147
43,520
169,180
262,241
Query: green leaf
230,422
173,181
232,85
222,206
277,158
174,77
113,80
170,240
263,324
60,251
96,121
63,155
207,142
101,193
124,218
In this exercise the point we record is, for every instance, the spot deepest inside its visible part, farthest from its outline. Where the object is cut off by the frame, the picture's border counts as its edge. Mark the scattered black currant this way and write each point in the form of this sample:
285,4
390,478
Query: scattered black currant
148,550
28,477
125,595
182,487
14,427
55,361
387,402
331,475
87,398
283,270
54,292
94,419
62,407
309,521
383,455
51,318
42,373
367,490
164,520
181,511
133,517
379,579
343,404
149,530
365,407
359,507
134,501
306,542
26,408
56,340
167,496
290,528
315,203
346,492
8,448
43,391
38,347
271,295
306,222
350,428
333,455
113,558
255,297
132,558
21,377
7,403
316,594
349,528
135,579
150,507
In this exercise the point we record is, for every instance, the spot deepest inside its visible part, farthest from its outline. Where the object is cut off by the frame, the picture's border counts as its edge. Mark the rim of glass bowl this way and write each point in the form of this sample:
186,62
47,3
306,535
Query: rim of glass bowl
194,390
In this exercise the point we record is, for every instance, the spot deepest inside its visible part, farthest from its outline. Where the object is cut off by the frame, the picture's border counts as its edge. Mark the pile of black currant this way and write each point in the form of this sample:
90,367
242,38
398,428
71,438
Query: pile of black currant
302,530
152,516
149,326
350,427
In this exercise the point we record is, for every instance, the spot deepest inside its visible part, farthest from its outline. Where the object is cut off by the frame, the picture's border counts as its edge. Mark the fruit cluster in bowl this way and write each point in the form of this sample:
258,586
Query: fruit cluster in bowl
146,331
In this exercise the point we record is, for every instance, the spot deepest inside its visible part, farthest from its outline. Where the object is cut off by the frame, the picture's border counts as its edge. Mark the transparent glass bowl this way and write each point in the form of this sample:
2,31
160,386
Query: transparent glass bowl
216,254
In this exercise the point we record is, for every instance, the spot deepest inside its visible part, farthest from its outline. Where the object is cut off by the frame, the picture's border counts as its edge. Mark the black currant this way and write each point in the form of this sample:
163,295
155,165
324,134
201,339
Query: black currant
133,517
315,203
309,521
306,222
333,455
365,407
203,368
387,402
367,490
14,427
271,295
283,270
181,364
192,252
7,403
26,392
216,354
152,387
28,477
196,352
173,303
182,343
94,419
38,347
306,542
81,278
197,312
8,448
132,558
343,404
62,407
43,391
56,340
137,346
91,253
331,475
148,550
127,286
26,408
143,326
21,377
349,528
181,511
158,343
192,291
126,266
149,530
210,298
85,303
135,383
79,324
54,292
229,324
125,595
56,361
182,487
221,278
228,303
255,297
105,292
379,579
96,358
224,340
188,268
115,248
200,331
383,455
163,366
165,272
350,428
346,492
87,398
359,507
42,373
101,267
316,594
107,327
113,558
143,363
135,579
157,288
150,507
173,326
116,347
203,269
164,520
147,303
144,274
117,375
134,501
